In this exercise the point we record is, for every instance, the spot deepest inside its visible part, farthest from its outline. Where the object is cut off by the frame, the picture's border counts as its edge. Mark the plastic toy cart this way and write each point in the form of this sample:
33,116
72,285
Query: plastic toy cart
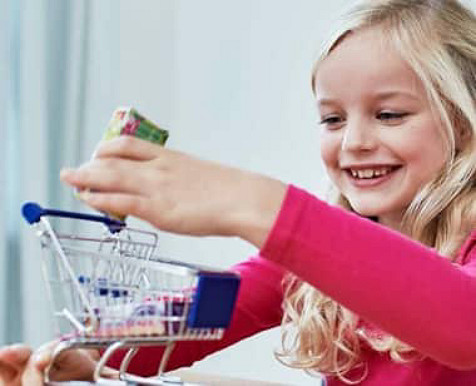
109,289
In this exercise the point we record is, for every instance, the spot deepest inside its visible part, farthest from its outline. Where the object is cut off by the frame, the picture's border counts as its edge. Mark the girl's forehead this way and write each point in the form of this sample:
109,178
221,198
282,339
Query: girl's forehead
363,61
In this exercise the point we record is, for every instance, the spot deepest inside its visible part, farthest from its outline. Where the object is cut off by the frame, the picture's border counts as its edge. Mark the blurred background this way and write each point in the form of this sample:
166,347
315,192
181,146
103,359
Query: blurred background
229,79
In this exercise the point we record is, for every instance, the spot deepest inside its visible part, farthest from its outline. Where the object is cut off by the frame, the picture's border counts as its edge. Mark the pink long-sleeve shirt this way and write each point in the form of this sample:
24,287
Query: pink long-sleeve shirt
393,283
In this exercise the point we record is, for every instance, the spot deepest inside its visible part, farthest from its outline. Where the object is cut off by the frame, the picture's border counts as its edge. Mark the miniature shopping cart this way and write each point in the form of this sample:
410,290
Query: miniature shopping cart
110,290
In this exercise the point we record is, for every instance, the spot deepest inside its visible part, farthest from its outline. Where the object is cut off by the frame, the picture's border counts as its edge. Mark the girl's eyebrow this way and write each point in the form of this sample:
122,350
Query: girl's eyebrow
380,96
394,94
327,102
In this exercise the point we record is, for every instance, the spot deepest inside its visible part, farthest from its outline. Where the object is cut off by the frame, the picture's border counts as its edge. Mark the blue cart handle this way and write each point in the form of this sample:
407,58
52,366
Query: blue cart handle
32,212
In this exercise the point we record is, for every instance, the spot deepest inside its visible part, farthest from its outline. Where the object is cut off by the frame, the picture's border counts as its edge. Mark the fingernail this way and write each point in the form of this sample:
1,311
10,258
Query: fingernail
83,194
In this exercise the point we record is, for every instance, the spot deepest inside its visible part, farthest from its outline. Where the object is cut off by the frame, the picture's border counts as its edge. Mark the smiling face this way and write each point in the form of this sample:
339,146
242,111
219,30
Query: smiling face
380,140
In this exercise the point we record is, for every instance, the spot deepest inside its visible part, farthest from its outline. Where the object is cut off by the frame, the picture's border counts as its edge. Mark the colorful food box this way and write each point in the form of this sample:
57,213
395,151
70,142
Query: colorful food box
127,121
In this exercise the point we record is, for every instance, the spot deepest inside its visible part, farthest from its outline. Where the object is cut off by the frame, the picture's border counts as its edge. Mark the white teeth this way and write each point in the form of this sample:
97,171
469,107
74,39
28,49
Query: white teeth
367,173
370,173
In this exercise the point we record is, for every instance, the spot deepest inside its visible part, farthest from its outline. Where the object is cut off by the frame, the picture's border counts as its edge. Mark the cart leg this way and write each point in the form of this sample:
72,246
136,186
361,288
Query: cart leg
171,381
165,356
125,362
104,358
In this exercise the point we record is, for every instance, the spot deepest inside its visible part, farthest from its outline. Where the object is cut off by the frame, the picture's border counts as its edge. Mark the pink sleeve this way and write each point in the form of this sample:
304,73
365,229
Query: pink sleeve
258,308
401,286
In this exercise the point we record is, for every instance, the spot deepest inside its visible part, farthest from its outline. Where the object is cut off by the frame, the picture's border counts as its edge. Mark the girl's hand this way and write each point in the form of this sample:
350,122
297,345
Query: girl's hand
176,192
19,366
13,361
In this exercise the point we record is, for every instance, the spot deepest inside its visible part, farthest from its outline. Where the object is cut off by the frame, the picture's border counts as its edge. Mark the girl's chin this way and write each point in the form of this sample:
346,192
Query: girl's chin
367,213
365,209
383,215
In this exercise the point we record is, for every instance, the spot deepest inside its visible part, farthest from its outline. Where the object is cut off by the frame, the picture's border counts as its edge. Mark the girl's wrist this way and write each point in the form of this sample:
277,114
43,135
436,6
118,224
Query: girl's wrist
261,201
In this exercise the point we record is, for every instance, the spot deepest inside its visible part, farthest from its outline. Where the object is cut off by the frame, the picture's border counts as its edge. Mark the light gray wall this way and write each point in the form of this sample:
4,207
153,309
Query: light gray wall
4,71
31,170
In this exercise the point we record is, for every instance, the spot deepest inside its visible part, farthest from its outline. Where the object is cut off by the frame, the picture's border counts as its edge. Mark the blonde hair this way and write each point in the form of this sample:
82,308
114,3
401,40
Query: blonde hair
438,40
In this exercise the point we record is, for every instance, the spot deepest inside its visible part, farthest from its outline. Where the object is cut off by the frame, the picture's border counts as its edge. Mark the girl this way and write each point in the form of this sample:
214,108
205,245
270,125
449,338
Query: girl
379,289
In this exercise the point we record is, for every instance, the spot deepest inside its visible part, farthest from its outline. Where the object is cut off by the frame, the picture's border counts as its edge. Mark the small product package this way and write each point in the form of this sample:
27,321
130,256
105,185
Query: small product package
127,121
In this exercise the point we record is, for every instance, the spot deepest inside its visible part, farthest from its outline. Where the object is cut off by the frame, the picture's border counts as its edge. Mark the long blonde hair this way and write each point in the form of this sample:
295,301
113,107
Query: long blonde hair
438,40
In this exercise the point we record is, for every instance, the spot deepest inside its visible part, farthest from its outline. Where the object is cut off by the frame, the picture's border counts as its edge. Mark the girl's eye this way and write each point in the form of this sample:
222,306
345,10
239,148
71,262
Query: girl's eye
391,117
332,121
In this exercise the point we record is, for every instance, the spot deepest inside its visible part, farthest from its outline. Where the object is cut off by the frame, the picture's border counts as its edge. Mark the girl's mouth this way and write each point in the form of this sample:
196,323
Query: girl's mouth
371,176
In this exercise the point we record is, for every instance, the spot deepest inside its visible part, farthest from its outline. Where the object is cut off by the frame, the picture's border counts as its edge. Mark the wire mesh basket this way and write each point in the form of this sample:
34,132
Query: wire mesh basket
109,289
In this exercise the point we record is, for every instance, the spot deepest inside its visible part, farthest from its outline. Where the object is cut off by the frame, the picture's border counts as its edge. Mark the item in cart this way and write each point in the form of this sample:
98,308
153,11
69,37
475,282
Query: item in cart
170,311
109,302
132,320
176,307
147,319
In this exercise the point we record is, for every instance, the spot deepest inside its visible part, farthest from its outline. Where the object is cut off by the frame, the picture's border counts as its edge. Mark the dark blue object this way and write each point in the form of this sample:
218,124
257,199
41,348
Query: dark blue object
33,212
102,291
214,300
101,288
118,293
84,279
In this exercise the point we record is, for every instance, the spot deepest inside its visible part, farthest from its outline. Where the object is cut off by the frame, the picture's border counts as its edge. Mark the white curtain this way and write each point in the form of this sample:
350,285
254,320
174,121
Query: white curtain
5,26
43,89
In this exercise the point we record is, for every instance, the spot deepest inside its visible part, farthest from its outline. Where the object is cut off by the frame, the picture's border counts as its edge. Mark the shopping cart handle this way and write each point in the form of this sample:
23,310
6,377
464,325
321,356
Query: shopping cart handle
32,212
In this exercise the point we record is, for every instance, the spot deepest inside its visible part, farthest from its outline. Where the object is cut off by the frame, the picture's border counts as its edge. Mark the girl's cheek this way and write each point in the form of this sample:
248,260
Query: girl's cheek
329,150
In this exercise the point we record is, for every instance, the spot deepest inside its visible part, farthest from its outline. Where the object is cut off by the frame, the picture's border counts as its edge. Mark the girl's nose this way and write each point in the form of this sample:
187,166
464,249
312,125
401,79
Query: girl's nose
359,136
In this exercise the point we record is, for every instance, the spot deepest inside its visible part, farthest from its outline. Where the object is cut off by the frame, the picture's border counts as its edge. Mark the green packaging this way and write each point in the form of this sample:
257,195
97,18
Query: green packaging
127,121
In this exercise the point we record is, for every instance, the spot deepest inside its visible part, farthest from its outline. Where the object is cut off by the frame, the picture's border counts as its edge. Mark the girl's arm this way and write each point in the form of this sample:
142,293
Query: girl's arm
403,287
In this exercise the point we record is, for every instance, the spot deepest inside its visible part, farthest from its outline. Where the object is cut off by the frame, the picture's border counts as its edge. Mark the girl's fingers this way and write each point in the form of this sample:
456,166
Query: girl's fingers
128,147
33,373
43,355
13,360
119,175
32,376
117,203
15,356
7,373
